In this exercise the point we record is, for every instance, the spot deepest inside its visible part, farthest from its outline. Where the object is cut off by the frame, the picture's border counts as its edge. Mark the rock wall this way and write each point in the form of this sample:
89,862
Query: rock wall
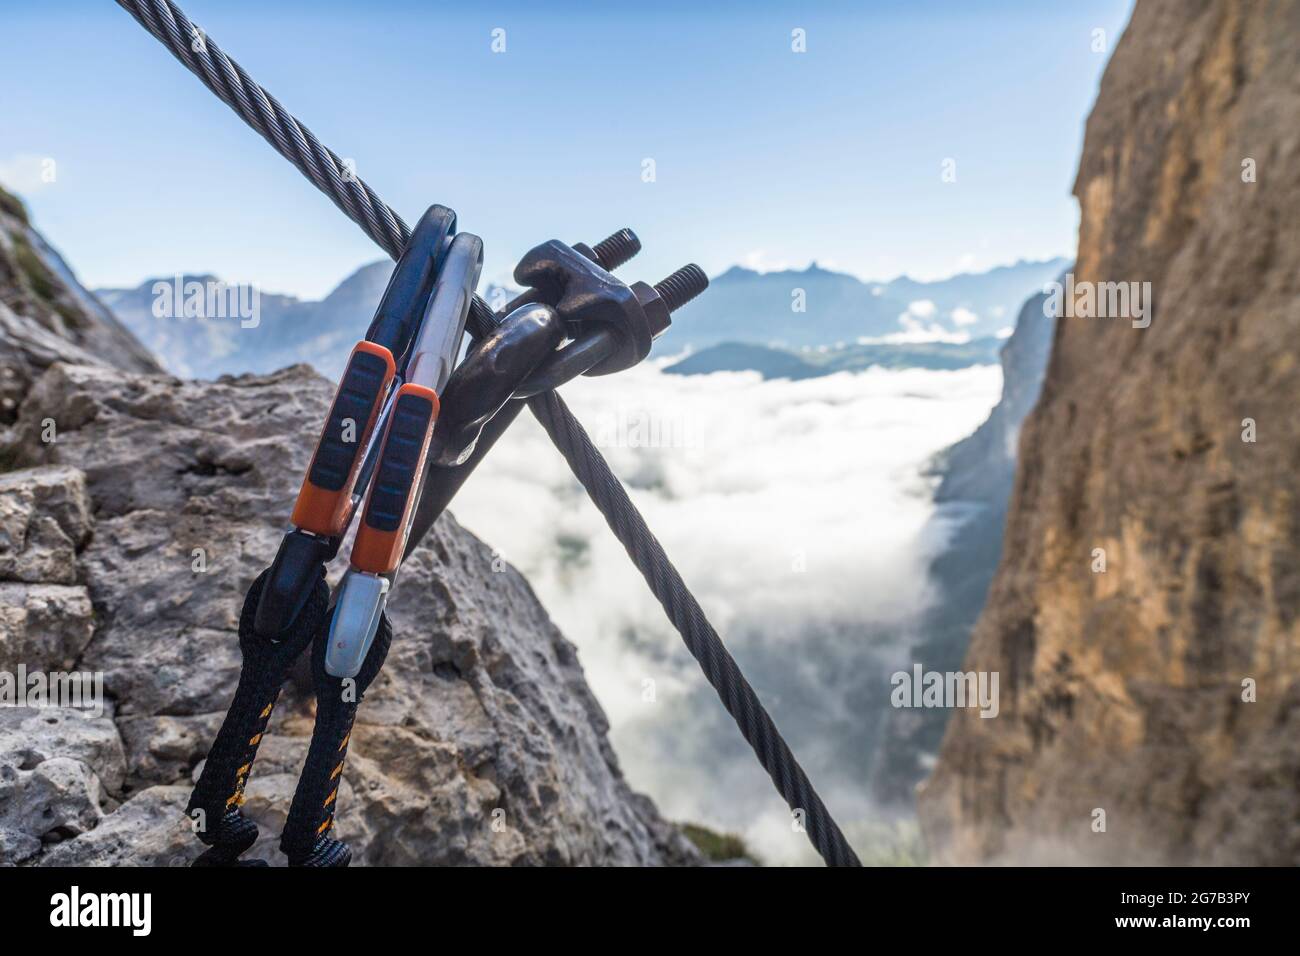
45,313
975,479
128,535
1163,692
981,467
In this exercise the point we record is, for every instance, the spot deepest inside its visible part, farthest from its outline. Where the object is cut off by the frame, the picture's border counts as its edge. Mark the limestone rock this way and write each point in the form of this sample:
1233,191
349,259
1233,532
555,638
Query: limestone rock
44,520
29,736
43,626
54,764
150,829
39,294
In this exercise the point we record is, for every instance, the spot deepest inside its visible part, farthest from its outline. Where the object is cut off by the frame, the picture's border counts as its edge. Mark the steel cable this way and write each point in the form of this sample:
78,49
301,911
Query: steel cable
296,143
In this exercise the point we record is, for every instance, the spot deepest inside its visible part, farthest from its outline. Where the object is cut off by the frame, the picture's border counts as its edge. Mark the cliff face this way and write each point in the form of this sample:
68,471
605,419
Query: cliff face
975,484
46,313
980,468
128,536
1122,691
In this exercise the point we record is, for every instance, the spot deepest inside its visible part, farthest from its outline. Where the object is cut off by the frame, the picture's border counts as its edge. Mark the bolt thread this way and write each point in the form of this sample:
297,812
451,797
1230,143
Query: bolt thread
682,286
617,249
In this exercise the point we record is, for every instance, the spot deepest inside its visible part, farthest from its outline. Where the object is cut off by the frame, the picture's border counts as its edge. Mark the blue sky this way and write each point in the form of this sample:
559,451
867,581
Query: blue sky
762,156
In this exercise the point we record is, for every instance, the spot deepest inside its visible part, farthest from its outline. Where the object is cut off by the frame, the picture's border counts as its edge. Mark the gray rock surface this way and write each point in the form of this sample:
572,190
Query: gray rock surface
54,765
46,623
150,829
46,314
44,519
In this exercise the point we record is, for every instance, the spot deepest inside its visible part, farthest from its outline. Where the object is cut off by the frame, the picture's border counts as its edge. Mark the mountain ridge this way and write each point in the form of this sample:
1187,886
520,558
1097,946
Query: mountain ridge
816,306
778,363
743,305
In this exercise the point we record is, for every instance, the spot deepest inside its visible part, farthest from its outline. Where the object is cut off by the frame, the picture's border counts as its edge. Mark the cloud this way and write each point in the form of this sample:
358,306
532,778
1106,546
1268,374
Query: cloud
795,511
963,316
918,325
921,309
27,172
920,333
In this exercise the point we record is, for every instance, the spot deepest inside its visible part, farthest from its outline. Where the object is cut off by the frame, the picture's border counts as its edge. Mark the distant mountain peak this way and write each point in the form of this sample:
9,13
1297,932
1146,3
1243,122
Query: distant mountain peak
146,285
734,273
362,281
739,273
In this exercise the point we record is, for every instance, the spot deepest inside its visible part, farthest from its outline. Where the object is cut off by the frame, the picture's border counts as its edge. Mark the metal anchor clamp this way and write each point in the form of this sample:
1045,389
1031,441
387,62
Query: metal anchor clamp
477,409
615,324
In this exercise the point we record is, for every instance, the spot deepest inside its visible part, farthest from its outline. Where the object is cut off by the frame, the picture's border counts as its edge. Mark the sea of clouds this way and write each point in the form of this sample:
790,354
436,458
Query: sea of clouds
799,515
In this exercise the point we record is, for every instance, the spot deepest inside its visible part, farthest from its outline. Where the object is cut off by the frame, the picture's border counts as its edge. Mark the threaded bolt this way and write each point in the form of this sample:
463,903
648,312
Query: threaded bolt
682,286
617,249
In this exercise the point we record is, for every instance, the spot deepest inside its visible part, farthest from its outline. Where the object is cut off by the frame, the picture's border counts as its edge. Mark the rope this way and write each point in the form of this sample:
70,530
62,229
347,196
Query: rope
296,143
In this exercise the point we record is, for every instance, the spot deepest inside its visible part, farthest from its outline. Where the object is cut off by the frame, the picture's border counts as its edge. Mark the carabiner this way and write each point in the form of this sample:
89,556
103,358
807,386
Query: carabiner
394,489
329,494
